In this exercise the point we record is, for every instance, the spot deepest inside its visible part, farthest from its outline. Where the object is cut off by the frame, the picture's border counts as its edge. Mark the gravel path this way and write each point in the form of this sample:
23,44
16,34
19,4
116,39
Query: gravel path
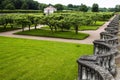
94,34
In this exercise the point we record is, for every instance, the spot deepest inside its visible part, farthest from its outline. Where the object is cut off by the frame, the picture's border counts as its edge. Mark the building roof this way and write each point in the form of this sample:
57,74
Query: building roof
50,8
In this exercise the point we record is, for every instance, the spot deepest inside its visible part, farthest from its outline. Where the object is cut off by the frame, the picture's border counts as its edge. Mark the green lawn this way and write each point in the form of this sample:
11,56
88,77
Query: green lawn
23,59
58,34
89,27
92,27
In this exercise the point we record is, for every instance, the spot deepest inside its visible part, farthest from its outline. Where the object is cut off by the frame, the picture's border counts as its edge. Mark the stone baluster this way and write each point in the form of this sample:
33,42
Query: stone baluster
84,73
89,74
79,72
107,62
112,65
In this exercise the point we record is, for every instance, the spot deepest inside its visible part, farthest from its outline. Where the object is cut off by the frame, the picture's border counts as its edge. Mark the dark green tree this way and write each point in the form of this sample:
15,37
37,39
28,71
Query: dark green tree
83,8
111,9
59,7
41,6
10,6
70,6
24,6
31,20
103,9
18,3
1,6
22,22
117,8
36,21
95,7
4,21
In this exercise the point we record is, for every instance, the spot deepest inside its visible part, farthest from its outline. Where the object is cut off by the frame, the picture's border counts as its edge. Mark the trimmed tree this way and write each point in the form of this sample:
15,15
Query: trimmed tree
95,7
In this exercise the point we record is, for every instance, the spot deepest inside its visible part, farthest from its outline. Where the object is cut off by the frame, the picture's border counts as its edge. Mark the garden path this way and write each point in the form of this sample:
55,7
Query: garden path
94,35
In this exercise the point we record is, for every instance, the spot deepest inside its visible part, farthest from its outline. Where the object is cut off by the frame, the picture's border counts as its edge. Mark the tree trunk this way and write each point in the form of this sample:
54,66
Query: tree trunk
62,29
76,29
5,27
11,26
29,27
95,22
35,26
51,28
55,28
22,28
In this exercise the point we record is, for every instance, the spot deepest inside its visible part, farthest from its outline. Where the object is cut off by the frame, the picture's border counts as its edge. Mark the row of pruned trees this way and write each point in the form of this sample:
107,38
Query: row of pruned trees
74,21
54,21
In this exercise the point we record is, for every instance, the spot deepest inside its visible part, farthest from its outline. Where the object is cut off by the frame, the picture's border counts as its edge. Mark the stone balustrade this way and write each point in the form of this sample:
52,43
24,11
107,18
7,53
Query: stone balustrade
89,71
106,35
101,65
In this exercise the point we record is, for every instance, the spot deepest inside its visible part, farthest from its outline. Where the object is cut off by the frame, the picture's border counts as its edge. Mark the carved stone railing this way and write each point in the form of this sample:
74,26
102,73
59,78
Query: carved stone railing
106,35
89,71
112,30
101,66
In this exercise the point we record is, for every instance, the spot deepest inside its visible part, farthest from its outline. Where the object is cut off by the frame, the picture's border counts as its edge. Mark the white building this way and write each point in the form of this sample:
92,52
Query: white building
49,10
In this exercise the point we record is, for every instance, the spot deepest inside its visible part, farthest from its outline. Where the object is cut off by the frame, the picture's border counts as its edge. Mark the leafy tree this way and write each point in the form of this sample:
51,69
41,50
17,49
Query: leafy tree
22,22
87,21
18,3
83,8
31,20
32,4
10,20
59,7
35,5
1,6
24,6
70,6
75,21
3,22
41,6
36,21
111,9
103,9
95,7
117,8
95,18
10,6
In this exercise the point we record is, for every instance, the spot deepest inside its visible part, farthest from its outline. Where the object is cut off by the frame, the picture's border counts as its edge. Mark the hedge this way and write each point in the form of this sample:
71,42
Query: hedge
20,11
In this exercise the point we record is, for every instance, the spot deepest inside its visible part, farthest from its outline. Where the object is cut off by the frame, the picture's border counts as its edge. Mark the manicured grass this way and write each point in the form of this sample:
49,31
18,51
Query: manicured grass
89,27
92,27
22,59
82,28
58,34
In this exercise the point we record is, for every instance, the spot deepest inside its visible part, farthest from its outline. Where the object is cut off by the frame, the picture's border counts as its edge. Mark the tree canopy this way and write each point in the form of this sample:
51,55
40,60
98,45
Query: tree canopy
95,7
19,4
34,5
83,8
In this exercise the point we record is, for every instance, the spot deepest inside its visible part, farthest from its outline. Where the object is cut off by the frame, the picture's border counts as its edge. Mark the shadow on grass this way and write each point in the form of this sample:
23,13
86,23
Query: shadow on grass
57,34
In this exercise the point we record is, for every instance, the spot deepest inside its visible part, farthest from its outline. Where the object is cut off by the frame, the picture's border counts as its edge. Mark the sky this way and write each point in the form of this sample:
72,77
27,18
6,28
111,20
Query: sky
102,3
